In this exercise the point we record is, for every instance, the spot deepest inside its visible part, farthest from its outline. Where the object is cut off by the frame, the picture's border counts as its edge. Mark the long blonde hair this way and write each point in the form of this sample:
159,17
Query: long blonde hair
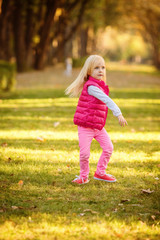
76,87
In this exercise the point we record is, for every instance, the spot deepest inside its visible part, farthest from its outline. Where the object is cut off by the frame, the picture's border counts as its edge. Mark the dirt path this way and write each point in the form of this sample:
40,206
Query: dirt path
55,77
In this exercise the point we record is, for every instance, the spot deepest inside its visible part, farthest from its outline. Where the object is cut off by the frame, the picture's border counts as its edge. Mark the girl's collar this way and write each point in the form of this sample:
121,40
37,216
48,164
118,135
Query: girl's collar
96,80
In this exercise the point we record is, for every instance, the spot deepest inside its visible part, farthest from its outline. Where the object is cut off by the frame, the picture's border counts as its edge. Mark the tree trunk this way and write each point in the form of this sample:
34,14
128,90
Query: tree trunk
83,42
19,36
5,29
41,49
30,28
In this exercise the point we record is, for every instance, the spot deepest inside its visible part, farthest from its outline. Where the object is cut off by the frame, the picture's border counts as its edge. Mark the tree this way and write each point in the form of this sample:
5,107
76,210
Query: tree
34,25
142,16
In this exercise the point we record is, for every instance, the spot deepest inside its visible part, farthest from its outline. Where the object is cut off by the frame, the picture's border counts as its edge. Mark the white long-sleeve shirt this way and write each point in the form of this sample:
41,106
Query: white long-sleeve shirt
98,93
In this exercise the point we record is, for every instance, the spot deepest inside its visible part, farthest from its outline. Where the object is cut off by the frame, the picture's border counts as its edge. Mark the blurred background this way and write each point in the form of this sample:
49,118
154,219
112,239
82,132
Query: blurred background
35,34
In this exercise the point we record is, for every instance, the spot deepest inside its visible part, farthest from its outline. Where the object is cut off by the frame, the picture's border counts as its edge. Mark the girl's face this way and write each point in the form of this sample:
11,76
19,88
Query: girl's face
99,70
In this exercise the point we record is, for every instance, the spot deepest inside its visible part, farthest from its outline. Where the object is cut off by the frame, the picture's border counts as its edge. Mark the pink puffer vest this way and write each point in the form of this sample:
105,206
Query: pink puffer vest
91,112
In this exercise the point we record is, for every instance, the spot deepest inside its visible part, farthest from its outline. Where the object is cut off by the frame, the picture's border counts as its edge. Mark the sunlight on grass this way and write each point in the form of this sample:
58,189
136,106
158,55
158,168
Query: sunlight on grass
47,205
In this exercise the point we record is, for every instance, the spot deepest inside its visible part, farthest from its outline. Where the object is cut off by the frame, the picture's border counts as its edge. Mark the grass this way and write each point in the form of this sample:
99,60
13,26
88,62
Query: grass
38,200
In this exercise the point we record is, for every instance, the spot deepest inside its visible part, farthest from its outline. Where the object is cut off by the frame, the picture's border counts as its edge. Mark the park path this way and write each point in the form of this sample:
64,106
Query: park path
55,77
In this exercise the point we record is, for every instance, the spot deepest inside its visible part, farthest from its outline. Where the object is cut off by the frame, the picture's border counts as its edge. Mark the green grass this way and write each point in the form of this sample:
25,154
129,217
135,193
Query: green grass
47,205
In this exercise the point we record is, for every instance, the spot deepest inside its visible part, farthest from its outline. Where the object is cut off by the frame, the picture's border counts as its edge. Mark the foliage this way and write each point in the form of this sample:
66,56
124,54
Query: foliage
7,76
79,62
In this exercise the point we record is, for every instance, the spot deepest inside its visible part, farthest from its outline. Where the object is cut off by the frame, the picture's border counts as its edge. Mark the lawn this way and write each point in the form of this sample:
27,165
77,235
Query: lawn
39,158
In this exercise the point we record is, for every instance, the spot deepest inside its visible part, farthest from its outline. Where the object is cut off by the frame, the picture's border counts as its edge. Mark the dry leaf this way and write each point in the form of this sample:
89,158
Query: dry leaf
125,200
153,217
157,178
133,130
9,159
4,144
20,183
82,214
136,205
90,210
141,129
50,198
14,207
55,124
147,191
107,215
1,210
115,210
41,139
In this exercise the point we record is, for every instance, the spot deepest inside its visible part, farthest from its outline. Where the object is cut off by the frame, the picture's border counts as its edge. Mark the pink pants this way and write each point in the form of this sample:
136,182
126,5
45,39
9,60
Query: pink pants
86,136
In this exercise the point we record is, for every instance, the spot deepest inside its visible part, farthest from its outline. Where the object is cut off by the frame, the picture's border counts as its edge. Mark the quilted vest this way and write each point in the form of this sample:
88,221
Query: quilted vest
90,111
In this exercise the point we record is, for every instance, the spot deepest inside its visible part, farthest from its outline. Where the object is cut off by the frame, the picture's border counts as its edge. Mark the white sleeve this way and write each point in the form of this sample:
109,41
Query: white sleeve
98,93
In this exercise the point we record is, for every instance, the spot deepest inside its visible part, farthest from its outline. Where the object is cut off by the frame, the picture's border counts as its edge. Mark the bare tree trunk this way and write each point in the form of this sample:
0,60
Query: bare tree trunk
74,27
83,41
19,35
30,28
5,29
41,49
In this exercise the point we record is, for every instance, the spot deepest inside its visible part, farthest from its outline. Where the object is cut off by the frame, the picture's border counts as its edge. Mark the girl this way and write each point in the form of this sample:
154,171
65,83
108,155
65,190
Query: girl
90,116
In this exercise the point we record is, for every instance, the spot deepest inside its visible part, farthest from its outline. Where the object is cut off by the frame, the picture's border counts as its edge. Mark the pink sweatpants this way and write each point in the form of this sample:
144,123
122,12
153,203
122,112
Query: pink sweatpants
86,136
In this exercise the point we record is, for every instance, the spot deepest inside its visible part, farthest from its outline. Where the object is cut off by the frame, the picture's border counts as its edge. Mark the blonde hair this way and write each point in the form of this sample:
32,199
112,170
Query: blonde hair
76,87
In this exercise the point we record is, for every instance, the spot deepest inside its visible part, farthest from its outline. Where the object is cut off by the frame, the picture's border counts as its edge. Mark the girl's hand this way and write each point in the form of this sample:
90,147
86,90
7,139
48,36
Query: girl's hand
122,120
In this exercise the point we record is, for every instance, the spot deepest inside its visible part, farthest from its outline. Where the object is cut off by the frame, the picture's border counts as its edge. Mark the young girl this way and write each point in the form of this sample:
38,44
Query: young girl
90,116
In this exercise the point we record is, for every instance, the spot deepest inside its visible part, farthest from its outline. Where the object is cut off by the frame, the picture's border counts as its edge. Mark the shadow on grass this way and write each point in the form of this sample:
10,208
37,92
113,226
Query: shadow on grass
58,93
58,196
72,145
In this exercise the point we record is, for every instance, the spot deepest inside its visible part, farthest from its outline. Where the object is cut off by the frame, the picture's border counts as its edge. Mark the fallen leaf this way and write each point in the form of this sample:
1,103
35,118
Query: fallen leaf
50,198
136,205
147,191
68,165
53,183
150,141
52,149
90,210
129,141
55,124
82,214
153,217
115,210
157,178
141,129
14,207
125,200
9,159
133,130
30,219
20,183
1,210
32,207
158,165
4,144
107,215
41,139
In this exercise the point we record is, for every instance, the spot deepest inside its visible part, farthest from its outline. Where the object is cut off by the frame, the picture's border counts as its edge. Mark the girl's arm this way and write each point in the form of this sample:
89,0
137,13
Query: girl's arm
97,93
